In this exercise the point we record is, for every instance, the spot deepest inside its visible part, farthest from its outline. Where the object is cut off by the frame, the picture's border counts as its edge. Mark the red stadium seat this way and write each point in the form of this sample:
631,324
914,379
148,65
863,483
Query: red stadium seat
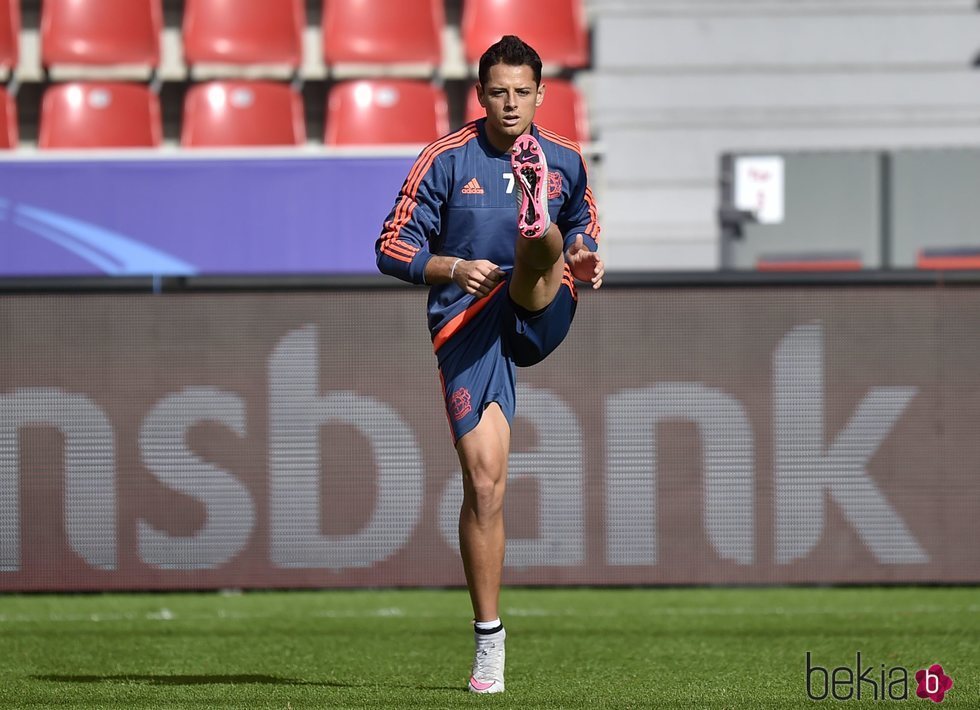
244,31
243,113
101,32
9,33
100,115
562,111
845,261
555,28
948,258
8,120
385,111
383,31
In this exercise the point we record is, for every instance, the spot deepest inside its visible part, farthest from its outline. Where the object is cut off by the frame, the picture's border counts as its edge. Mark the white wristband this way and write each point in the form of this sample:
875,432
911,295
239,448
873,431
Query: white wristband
453,270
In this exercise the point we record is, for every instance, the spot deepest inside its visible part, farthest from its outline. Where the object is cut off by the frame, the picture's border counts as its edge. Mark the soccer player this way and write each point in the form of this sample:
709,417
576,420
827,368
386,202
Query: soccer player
502,291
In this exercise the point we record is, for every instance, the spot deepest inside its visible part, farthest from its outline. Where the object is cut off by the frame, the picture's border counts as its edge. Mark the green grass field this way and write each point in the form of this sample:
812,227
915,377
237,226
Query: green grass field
574,648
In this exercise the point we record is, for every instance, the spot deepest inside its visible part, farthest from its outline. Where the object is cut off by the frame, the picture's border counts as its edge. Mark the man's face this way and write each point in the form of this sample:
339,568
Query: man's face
510,97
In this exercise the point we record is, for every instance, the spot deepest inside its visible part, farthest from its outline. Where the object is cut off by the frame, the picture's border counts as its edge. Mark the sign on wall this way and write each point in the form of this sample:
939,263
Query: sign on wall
760,187
678,436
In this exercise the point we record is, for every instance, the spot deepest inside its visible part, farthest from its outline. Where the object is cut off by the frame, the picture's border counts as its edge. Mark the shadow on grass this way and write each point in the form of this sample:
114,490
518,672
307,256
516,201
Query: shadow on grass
219,680
184,679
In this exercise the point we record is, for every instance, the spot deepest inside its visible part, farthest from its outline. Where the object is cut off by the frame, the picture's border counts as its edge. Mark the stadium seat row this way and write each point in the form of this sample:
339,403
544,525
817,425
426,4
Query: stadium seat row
111,32
257,113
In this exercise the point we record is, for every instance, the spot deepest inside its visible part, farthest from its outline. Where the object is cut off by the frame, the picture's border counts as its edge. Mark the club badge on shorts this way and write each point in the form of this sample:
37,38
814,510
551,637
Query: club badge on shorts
460,403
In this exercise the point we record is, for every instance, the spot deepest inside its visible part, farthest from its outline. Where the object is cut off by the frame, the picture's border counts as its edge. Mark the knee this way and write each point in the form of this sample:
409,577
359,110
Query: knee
483,487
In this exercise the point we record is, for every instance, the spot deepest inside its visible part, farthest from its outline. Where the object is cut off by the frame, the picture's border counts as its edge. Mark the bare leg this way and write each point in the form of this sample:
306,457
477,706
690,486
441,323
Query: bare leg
483,453
538,266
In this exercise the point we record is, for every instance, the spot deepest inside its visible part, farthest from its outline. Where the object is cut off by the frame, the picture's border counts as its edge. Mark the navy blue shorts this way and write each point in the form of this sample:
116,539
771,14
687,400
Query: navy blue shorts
477,364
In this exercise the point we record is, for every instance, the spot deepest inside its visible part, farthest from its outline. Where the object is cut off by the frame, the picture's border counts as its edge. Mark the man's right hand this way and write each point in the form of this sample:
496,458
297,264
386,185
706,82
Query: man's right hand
478,277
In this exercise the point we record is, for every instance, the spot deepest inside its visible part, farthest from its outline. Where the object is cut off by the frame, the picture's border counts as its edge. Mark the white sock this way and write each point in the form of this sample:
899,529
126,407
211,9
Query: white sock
488,627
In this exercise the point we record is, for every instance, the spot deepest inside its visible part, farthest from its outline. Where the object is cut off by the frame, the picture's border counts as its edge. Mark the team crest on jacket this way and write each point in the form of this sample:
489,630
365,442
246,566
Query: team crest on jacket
554,184
460,403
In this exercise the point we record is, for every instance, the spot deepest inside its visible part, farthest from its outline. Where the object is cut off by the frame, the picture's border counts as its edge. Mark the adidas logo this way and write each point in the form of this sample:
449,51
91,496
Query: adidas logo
472,188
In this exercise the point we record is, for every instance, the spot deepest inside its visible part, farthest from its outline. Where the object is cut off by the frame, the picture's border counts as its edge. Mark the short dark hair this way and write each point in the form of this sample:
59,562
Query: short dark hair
511,50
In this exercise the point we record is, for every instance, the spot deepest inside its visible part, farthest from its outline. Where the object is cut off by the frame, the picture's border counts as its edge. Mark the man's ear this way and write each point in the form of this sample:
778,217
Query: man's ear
478,87
539,99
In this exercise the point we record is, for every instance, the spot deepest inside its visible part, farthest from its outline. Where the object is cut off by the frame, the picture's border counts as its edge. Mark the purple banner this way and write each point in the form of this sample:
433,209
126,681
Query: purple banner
194,216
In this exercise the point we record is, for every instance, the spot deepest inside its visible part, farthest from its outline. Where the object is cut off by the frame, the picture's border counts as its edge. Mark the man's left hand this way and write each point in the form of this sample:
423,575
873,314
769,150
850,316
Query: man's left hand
584,264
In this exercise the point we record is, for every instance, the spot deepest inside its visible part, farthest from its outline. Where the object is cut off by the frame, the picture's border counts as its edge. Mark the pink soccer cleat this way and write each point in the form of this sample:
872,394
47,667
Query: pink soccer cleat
531,173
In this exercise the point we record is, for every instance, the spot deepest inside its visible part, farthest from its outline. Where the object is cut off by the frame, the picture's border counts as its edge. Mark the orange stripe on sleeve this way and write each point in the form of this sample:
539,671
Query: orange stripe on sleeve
399,248
407,203
415,175
569,280
423,158
559,138
398,257
593,229
424,162
402,248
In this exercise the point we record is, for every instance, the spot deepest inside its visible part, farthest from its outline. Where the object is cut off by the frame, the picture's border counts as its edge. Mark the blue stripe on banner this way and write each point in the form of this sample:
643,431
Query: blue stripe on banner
112,252
97,259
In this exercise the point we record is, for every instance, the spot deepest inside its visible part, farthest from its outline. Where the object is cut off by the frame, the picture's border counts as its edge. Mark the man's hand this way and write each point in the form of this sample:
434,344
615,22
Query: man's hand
478,277
585,265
